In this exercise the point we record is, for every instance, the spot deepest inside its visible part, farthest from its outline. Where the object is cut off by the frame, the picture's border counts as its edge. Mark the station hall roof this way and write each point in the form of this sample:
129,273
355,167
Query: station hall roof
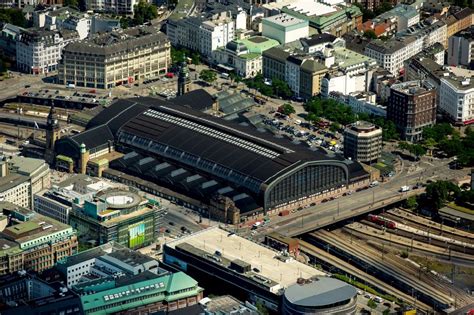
241,148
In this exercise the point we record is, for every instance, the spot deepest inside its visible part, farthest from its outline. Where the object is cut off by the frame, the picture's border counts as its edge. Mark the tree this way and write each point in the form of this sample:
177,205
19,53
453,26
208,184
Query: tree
382,8
441,191
281,88
411,203
144,12
208,76
71,3
438,132
13,16
261,309
370,34
287,109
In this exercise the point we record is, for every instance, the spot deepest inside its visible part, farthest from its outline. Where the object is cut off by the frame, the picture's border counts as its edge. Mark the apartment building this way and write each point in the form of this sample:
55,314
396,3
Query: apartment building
349,71
412,107
461,49
38,51
31,241
244,56
115,58
302,72
124,7
392,53
457,99
403,15
202,34
363,142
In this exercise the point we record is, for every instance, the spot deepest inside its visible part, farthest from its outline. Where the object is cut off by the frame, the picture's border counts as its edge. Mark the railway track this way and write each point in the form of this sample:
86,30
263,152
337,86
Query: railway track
445,252
370,257
430,239
461,298
422,223
354,271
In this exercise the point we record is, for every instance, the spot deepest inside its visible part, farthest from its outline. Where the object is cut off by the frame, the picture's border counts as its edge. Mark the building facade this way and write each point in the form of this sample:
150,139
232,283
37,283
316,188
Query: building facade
32,241
363,142
203,35
38,51
461,49
116,58
412,107
457,99
284,28
125,7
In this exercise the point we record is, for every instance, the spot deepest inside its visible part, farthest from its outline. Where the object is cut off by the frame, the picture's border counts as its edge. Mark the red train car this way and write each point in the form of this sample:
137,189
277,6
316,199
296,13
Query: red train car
389,224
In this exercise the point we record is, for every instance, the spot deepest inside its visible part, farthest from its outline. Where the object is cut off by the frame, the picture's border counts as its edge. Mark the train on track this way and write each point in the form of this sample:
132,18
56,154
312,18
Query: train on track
389,224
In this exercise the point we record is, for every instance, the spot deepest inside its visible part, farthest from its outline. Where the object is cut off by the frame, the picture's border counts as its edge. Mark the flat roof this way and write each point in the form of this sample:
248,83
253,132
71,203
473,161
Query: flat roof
320,292
235,247
346,58
12,180
284,20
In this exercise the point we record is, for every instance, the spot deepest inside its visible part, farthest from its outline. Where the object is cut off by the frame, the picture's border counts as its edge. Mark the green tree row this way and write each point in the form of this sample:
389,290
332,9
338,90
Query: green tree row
342,114
278,88
143,12
13,16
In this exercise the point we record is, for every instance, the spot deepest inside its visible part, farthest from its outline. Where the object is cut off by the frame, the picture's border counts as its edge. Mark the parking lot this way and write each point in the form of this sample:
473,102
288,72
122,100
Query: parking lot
296,129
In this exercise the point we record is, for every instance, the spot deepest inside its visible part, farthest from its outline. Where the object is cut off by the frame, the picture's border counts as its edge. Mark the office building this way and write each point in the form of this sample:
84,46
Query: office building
38,51
115,58
31,241
15,188
142,128
456,99
108,279
9,34
302,72
284,28
336,19
36,170
404,16
104,261
27,293
461,49
202,34
219,259
363,142
412,107
391,54
119,7
116,215
243,56
348,72
57,202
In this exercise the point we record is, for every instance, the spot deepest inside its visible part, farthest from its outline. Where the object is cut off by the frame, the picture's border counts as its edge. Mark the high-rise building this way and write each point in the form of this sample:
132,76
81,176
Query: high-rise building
363,142
412,107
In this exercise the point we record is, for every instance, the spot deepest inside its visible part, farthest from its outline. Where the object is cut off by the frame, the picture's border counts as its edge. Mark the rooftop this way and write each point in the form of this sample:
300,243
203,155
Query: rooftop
390,46
320,292
285,20
404,10
460,83
233,247
119,41
412,87
258,44
25,165
346,58
12,180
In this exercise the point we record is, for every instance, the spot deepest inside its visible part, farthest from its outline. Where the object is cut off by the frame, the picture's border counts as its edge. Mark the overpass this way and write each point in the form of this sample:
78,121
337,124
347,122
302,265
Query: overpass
320,216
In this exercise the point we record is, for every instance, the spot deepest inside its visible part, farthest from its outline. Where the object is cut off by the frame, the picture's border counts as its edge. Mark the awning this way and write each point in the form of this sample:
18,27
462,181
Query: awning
225,67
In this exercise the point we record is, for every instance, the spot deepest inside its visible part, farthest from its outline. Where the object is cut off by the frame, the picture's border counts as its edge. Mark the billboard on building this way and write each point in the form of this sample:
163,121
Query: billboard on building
136,235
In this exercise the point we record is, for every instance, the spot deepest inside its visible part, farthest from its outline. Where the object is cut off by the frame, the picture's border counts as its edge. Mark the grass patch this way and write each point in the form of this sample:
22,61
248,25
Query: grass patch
372,304
181,9
366,288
